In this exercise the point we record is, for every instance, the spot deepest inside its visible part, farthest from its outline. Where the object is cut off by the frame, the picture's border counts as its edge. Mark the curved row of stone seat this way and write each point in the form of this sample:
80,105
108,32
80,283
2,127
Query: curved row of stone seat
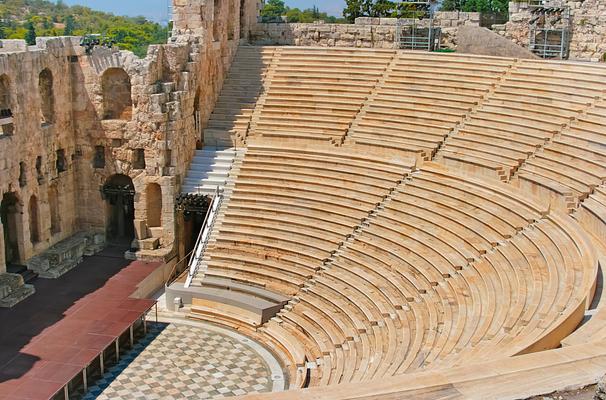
231,116
291,208
418,289
532,105
315,93
572,165
423,97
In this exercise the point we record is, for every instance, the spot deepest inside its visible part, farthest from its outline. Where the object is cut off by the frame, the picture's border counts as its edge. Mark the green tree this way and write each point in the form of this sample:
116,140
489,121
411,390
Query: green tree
70,26
30,36
315,13
486,6
273,9
357,8
26,19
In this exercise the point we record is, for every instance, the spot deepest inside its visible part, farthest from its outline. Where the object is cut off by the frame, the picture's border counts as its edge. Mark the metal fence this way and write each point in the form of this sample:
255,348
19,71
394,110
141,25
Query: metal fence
413,37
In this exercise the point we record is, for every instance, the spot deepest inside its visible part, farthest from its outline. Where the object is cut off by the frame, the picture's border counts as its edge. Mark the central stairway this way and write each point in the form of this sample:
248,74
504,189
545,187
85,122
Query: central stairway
209,170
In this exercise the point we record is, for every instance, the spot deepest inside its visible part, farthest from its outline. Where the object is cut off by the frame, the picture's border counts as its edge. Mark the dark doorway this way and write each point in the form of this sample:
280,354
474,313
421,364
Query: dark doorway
119,193
193,225
10,216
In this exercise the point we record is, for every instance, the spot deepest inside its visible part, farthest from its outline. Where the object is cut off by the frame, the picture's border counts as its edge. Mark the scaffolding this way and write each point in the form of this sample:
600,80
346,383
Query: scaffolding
418,31
549,29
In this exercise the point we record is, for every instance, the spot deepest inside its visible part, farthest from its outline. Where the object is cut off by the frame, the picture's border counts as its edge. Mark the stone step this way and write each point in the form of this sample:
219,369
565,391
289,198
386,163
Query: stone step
201,165
207,174
17,296
202,189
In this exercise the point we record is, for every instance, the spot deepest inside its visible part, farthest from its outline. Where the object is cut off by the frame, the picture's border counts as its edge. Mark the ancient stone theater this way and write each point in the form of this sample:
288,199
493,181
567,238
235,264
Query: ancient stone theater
378,222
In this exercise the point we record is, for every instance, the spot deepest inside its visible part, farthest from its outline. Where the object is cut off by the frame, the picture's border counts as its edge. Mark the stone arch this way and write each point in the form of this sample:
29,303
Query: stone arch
34,223
154,205
47,97
53,202
10,215
117,96
119,194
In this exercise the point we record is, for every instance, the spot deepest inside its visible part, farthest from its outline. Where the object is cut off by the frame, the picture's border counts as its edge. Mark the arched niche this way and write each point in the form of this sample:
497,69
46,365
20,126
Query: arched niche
154,205
34,223
47,97
117,96
55,216
6,106
10,215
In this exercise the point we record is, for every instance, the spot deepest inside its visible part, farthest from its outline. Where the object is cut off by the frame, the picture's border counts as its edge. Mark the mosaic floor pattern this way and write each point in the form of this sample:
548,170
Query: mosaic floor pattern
177,361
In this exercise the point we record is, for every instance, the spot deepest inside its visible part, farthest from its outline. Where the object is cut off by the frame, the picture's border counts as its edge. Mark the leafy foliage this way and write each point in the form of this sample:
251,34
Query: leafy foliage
380,8
26,19
492,6
275,9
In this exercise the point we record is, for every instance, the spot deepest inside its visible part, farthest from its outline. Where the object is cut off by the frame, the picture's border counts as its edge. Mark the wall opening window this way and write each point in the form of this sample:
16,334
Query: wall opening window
39,173
99,158
117,100
61,162
242,19
22,174
53,202
47,99
216,25
154,205
34,227
6,112
231,20
139,159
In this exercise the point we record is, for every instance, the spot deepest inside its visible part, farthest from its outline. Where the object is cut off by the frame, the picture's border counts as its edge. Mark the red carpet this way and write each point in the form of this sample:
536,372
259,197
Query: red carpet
50,337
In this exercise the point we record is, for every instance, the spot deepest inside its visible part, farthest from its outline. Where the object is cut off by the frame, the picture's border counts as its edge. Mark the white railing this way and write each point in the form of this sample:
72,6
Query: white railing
205,232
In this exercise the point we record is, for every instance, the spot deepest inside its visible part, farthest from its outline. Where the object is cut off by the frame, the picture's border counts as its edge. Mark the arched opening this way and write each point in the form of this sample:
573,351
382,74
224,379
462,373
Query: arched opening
119,193
47,99
10,216
6,112
34,227
53,202
117,100
154,205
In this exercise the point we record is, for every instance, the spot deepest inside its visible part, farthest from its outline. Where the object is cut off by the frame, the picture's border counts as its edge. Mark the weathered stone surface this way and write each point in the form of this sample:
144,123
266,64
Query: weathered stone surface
365,33
13,290
601,389
587,27
159,99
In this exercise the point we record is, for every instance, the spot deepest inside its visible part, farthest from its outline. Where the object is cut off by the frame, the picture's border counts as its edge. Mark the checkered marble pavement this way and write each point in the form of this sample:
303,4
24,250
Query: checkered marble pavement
176,361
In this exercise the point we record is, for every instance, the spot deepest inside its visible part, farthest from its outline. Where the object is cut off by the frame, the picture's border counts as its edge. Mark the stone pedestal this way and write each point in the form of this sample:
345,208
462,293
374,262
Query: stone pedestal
13,290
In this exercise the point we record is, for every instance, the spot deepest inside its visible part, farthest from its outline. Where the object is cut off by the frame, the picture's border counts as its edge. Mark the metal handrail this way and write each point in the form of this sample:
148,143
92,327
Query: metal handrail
202,242
172,277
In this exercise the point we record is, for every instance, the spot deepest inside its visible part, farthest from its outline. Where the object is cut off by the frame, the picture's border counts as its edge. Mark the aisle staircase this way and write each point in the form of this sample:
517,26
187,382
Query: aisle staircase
209,170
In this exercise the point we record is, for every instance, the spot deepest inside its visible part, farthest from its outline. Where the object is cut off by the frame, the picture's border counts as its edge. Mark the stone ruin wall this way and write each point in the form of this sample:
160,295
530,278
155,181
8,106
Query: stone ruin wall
166,86
588,28
365,33
31,139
